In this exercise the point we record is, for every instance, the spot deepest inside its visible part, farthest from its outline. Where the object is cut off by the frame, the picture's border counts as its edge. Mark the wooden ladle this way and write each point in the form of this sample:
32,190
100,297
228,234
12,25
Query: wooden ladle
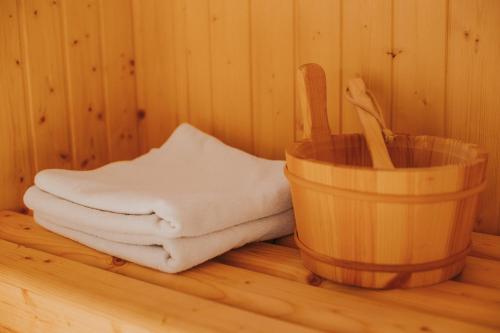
311,81
372,122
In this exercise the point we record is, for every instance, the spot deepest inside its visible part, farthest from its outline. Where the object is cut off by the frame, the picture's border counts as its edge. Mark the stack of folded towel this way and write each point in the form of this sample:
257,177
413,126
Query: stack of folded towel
170,209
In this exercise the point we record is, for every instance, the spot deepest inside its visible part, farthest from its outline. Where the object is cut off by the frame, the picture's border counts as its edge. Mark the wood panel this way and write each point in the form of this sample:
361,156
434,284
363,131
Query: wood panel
231,76
47,89
318,41
228,67
367,53
15,154
473,98
198,64
419,71
118,61
273,68
85,83
154,60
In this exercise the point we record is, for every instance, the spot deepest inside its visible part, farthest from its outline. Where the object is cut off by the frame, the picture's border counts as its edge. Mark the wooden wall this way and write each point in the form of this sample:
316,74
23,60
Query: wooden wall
87,82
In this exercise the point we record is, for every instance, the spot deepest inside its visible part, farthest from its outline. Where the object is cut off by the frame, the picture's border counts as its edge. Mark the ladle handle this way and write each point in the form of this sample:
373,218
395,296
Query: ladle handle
372,122
312,95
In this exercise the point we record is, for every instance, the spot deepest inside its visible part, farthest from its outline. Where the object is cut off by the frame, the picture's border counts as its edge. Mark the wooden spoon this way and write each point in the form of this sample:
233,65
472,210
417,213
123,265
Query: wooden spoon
372,128
312,95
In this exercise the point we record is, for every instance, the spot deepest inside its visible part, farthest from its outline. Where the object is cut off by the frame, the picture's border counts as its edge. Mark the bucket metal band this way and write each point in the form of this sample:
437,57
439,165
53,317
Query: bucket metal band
363,266
383,197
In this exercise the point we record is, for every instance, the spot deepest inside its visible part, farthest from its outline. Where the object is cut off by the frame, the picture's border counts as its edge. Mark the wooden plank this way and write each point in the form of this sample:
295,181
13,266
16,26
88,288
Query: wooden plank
180,70
483,245
318,41
367,53
48,100
85,83
231,81
419,66
155,65
127,301
273,100
483,272
199,64
332,307
119,78
15,142
472,91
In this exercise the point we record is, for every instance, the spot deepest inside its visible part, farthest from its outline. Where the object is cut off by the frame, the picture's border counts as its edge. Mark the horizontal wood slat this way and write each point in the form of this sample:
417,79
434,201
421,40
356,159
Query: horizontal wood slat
270,280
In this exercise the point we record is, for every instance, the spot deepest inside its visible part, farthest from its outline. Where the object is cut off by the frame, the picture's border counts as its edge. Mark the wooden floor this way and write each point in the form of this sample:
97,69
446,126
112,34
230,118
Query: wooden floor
51,284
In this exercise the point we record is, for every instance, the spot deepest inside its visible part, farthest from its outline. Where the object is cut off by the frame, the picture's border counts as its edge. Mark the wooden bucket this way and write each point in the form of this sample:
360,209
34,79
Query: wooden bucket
374,228
385,228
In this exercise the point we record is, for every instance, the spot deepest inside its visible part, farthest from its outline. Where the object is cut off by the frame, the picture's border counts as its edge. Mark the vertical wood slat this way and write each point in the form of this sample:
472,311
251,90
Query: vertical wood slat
367,53
419,66
272,43
153,22
231,81
198,64
180,61
318,26
45,65
85,83
15,144
119,78
473,99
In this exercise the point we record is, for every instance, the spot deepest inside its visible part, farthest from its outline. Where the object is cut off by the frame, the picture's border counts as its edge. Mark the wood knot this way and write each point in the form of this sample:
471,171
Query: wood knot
314,280
141,114
47,261
131,62
118,261
63,156
84,163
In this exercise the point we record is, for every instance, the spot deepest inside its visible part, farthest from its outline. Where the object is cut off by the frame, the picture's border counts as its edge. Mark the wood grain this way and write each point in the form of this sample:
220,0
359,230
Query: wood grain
353,222
367,53
15,141
48,282
231,80
419,66
118,61
286,289
47,84
317,40
473,80
273,82
82,47
153,22
431,64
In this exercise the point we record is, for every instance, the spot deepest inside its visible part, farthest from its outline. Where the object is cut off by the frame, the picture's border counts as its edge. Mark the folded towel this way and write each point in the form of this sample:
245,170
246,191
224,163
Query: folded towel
178,254
191,186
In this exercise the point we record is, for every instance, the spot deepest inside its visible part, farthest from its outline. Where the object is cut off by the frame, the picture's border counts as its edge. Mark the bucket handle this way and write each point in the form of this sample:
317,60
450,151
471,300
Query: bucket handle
374,127
311,80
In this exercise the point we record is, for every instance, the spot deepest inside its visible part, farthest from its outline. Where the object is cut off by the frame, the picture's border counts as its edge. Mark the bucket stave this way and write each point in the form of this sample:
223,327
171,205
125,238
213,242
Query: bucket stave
377,228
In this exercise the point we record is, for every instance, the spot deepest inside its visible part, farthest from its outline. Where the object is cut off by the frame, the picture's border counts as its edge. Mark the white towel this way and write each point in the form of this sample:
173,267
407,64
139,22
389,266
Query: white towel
175,255
193,185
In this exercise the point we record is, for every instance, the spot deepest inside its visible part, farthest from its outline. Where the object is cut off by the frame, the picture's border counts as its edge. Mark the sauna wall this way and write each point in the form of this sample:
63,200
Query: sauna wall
87,82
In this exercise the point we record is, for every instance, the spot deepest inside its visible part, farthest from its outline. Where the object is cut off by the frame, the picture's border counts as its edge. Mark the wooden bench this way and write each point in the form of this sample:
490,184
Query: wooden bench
51,284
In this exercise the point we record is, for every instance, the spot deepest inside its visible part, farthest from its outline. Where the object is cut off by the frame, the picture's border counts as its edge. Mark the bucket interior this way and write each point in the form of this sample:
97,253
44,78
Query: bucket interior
406,151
